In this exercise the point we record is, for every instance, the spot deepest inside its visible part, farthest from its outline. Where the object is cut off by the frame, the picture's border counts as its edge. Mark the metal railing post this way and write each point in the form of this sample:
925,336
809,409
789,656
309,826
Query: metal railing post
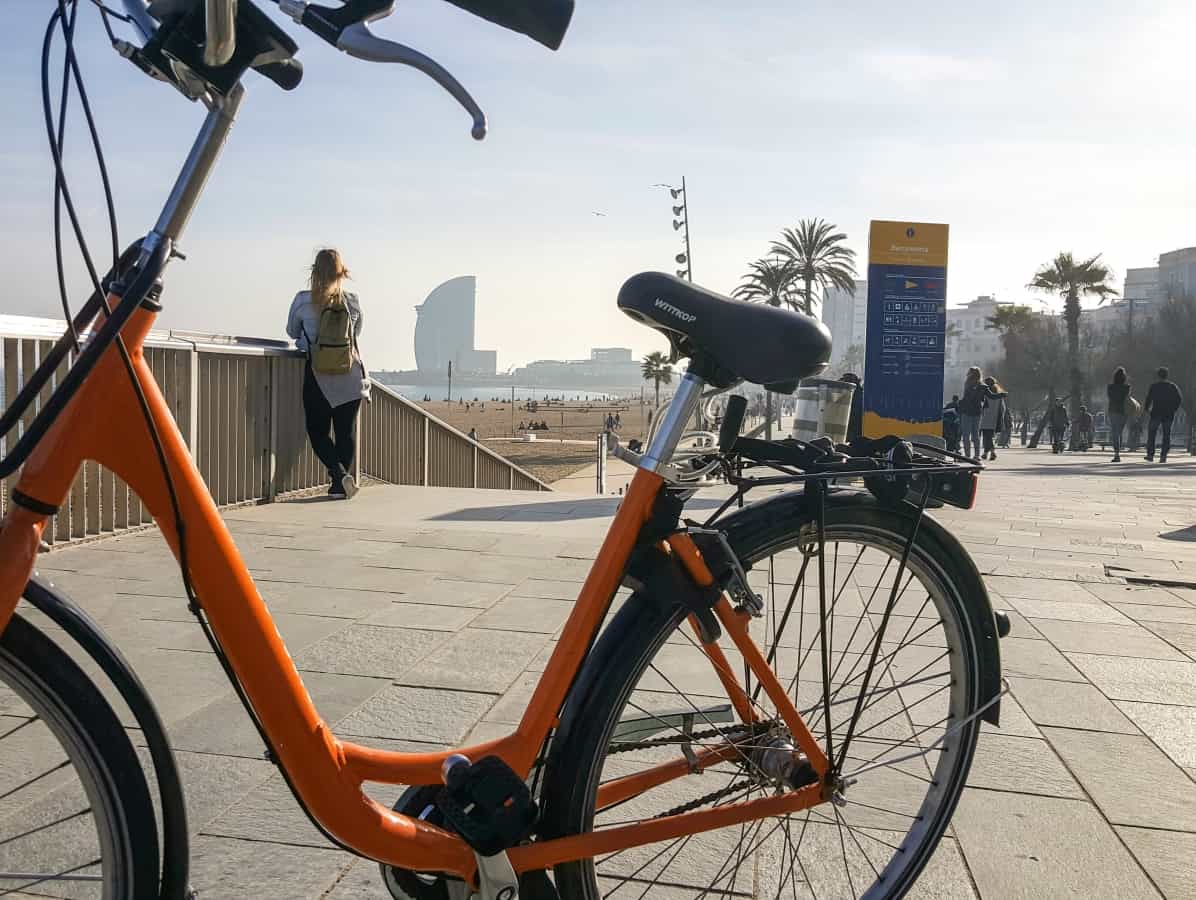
270,488
193,401
475,465
427,444
601,468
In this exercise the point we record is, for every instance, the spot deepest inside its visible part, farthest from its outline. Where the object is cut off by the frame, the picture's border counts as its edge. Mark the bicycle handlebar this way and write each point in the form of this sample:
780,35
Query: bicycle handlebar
359,42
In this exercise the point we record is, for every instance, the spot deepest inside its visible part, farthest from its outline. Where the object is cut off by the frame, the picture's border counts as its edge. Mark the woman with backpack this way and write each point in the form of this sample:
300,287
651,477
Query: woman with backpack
325,322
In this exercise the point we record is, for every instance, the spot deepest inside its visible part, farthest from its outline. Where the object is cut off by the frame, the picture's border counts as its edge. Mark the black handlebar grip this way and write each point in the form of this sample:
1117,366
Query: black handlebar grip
286,73
728,432
544,21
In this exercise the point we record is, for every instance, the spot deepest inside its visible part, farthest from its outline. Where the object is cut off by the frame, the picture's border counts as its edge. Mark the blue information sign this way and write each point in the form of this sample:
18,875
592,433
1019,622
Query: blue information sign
907,318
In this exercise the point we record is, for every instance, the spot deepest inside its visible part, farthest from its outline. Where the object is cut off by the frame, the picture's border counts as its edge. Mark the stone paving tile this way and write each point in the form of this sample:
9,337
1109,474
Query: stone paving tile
361,881
428,616
1152,791
306,599
1112,640
1022,847
212,783
1056,590
228,869
1140,613
1001,758
1175,633
1173,728
1035,659
1128,593
1091,611
1019,625
548,588
1068,704
1148,680
477,659
224,727
516,613
1014,720
269,812
1168,856
416,714
458,592
371,650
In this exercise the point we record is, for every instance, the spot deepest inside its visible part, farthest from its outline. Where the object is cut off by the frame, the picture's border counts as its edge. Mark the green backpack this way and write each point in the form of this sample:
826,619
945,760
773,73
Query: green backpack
332,350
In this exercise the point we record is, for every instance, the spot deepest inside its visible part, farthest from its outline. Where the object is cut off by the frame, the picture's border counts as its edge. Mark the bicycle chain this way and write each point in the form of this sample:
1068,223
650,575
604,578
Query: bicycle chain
748,730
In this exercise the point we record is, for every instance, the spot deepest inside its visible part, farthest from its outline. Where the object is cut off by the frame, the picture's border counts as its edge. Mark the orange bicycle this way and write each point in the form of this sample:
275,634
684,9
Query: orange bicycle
786,703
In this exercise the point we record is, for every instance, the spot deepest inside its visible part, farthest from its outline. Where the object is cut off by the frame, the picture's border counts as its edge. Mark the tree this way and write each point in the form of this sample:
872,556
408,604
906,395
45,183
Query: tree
1071,280
657,369
1034,363
769,281
817,254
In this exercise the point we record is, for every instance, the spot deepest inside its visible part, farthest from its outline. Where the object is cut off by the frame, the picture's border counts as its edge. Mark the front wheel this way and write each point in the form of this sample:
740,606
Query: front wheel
76,819
912,741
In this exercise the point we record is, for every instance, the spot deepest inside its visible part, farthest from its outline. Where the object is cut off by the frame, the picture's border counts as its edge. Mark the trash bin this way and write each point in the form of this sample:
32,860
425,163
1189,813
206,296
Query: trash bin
823,409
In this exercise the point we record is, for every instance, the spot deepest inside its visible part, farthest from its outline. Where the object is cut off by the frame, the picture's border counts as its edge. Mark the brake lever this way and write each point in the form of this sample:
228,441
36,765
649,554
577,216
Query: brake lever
358,41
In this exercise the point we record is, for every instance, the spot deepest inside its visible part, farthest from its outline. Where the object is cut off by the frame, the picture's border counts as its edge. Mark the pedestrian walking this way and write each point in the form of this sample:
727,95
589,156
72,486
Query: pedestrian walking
951,424
971,405
1118,392
1163,401
1084,424
1058,420
325,322
992,417
855,418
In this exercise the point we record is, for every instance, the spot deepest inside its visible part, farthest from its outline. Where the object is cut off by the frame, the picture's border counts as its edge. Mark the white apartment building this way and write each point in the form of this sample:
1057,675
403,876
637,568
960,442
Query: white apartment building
846,315
970,341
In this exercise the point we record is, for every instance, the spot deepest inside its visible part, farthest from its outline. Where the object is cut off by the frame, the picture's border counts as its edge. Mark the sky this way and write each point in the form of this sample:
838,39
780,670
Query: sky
1028,127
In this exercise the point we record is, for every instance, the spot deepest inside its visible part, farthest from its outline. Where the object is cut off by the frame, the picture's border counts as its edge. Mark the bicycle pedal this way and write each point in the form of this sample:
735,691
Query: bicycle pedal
487,804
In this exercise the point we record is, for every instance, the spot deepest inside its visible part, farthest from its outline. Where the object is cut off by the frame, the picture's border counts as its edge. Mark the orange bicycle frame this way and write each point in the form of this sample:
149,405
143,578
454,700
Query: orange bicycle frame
104,422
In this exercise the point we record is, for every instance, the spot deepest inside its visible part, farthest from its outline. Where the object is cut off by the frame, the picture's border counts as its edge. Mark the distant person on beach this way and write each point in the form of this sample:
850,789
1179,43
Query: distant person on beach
1118,392
1163,401
325,322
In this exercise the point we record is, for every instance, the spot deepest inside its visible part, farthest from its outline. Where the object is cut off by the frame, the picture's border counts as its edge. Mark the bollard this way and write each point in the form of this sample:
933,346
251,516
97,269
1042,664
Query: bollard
601,470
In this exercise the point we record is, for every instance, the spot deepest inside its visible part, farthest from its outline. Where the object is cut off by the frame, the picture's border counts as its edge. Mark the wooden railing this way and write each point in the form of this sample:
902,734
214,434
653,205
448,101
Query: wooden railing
238,404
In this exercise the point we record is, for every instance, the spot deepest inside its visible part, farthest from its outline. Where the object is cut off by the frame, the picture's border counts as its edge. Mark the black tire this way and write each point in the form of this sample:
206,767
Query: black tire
639,633
48,703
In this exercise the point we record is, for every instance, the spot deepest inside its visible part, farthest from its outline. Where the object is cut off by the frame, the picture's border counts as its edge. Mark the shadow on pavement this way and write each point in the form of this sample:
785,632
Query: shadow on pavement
557,511
1180,534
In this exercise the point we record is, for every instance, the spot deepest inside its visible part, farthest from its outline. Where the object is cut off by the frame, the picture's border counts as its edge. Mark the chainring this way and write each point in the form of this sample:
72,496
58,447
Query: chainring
406,884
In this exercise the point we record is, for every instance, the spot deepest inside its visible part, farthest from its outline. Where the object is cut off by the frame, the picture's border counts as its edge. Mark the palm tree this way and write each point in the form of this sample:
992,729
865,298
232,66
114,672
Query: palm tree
658,370
769,281
816,252
1071,279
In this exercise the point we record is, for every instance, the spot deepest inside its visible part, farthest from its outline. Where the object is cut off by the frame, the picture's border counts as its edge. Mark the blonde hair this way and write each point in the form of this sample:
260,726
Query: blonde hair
973,376
328,272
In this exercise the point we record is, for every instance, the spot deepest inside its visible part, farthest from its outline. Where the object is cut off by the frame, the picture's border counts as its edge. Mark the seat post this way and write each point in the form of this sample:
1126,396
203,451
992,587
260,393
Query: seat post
676,417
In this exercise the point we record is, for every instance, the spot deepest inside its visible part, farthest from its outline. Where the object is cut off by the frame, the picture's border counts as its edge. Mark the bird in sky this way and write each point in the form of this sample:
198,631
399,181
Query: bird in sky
596,213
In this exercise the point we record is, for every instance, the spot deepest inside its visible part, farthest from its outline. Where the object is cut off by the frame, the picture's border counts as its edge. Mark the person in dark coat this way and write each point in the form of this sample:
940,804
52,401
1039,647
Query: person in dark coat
1163,401
1118,393
1058,419
951,424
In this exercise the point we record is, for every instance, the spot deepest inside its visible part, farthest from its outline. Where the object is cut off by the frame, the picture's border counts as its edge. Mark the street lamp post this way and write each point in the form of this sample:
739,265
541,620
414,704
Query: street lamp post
681,220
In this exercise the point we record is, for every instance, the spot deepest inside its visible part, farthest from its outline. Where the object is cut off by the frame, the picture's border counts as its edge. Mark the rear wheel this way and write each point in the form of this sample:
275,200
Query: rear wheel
911,743
76,819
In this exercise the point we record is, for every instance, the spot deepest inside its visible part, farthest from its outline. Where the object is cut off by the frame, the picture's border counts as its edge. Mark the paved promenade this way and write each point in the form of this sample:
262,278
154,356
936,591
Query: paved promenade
420,618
